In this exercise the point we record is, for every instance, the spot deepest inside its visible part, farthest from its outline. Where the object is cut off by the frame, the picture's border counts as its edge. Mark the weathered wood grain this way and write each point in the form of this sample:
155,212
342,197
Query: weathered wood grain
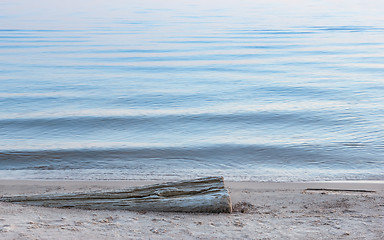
198,195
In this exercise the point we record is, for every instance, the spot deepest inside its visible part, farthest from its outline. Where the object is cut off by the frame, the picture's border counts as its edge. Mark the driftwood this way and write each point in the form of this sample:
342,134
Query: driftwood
199,195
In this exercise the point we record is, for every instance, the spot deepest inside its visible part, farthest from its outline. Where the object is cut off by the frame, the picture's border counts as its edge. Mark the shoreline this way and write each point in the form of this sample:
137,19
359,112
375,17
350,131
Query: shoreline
17,186
262,210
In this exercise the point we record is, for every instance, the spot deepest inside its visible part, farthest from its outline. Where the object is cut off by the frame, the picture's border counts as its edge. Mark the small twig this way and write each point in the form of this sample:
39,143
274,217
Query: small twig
339,190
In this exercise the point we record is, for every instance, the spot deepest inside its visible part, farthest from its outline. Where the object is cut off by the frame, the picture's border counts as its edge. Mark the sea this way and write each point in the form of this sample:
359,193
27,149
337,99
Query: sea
252,90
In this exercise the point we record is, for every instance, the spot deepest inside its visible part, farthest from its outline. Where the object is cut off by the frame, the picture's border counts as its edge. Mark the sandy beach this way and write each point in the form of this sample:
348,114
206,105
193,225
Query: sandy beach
261,211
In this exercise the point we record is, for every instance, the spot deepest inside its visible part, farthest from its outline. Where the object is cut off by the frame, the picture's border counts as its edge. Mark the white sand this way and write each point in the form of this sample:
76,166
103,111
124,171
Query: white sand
262,211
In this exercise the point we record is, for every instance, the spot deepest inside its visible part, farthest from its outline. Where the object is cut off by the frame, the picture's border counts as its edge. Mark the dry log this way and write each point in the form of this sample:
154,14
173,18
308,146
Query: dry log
199,195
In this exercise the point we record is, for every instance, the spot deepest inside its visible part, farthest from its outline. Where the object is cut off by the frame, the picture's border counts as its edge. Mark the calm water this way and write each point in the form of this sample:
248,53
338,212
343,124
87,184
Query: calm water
252,90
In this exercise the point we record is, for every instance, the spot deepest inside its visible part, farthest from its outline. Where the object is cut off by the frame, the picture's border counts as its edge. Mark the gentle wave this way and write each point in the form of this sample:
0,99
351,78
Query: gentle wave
223,157
88,122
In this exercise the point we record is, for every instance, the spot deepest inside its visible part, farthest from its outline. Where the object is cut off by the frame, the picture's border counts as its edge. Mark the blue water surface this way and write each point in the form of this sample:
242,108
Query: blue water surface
251,90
